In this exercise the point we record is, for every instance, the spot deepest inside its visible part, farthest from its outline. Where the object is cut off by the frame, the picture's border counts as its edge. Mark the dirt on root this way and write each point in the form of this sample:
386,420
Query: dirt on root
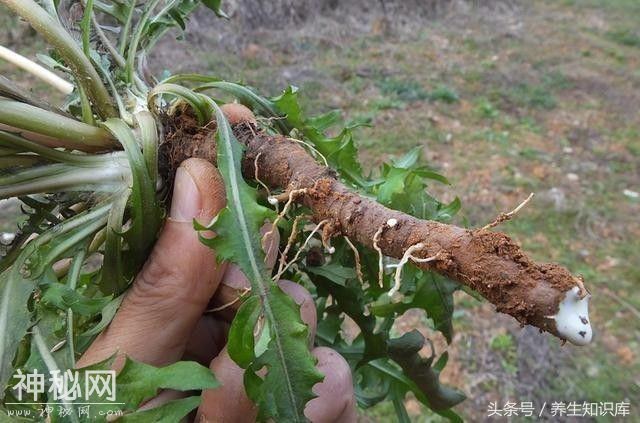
184,138
489,262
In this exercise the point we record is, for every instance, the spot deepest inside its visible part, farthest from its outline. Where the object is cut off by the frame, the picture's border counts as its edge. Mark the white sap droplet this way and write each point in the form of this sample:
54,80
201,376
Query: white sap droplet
392,222
332,250
272,200
572,320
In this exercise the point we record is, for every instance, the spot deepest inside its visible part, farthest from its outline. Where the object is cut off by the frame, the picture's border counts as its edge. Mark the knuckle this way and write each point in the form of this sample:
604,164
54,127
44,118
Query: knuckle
159,286
158,274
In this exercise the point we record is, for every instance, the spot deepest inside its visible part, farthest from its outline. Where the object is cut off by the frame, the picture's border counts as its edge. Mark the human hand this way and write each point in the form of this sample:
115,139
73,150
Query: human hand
163,316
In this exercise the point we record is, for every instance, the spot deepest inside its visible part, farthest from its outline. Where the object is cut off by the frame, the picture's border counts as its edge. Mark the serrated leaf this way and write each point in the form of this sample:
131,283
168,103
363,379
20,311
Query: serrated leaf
62,297
329,325
409,159
34,262
47,365
107,313
291,371
291,374
325,121
394,183
137,381
349,300
172,411
339,151
404,351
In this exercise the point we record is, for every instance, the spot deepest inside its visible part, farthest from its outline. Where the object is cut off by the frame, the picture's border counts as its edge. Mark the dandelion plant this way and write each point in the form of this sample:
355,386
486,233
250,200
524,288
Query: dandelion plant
93,176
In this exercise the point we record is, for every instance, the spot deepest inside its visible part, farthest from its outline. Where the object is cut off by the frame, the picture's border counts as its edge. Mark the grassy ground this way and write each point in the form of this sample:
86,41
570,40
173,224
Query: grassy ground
544,100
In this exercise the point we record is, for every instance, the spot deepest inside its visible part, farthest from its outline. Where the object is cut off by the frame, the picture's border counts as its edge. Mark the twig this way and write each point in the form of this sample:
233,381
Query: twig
503,217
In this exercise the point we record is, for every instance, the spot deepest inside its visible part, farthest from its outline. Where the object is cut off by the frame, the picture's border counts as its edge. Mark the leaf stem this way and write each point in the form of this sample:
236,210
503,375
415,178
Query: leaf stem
117,57
12,91
85,25
19,144
72,282
133,46
52,366
68,133
64,43
61,177
126,28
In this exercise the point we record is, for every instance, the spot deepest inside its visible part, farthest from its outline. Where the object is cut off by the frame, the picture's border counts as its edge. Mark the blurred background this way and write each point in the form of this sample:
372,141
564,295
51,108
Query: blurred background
506,97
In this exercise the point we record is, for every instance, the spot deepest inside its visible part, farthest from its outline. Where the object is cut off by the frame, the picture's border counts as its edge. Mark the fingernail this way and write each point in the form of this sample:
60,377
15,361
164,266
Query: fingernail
186,204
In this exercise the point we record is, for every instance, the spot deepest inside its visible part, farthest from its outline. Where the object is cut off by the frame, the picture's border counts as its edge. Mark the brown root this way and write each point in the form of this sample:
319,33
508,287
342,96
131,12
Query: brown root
488,262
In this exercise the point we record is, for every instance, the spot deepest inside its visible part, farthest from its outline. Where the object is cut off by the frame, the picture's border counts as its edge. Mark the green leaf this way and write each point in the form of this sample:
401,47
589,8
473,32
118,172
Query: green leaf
39,216
63,298
35,259
15,319
215,6
334,272
371,386
113,277
434,295
137,381
107,313
241,343
397,397
394,183
172,411
291,374
408,160
291,371
339,151
200,107
48,366
143,203
351,302
404,351
448,211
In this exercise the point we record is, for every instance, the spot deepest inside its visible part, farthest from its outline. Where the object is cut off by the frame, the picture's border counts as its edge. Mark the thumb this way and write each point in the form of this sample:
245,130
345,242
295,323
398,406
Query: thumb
173,289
